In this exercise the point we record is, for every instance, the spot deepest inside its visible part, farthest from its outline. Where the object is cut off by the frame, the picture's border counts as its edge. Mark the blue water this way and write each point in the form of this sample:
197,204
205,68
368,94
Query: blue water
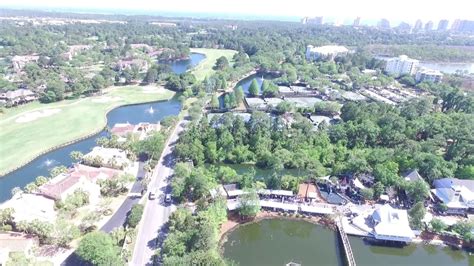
245,83
132,114
181,66
43,164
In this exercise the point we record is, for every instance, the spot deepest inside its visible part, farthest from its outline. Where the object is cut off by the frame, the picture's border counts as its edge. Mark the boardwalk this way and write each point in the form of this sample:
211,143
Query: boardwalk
345,243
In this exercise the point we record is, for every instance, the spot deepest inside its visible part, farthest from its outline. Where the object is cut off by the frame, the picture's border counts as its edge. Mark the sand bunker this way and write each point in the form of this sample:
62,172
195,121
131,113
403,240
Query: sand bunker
36,115
106,99
153,89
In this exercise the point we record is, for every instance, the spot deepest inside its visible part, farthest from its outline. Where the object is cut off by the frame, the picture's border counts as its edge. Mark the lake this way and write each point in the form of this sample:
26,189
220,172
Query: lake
181,66
132,114
245,83
279,241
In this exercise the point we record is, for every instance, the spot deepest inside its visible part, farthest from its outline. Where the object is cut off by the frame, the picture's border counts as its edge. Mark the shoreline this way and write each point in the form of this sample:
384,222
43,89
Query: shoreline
75,140
232,224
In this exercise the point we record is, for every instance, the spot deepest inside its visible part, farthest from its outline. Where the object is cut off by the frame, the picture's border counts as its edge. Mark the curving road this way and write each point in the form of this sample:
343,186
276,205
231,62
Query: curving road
151,231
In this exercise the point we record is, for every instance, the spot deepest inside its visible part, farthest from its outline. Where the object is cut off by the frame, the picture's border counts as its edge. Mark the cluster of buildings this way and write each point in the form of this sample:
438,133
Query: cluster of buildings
140,130
327,52
403,65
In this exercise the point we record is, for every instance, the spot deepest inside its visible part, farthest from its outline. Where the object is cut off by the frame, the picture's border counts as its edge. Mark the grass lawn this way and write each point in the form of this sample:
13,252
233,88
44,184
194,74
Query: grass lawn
21,142
205,66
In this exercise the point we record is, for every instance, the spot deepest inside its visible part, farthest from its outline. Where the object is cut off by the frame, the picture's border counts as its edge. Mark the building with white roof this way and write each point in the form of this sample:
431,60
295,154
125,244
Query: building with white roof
456,194
391,224
325,52
430,75
108,157
401,65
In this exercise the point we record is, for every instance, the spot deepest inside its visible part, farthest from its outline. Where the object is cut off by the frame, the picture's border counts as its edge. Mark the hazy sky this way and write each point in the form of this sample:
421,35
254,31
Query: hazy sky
407,10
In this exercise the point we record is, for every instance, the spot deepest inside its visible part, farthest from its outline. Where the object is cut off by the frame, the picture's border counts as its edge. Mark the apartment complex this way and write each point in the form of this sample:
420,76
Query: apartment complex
425,74
325,52
401,65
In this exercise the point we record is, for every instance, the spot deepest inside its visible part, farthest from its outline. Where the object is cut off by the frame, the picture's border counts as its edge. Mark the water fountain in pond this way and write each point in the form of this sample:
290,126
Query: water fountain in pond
49,163
150,110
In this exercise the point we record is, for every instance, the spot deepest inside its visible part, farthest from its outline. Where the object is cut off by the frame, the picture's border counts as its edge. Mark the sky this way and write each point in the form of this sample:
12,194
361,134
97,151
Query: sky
399,10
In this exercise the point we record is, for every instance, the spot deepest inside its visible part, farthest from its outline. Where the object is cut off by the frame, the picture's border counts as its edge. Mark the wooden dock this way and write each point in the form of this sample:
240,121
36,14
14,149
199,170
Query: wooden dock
345,243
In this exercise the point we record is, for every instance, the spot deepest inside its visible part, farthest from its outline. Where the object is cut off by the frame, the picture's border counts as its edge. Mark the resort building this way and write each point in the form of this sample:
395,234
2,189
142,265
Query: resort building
16,242
456,194
107,157
141,130
391,224
401,65
20,61
75,50
430,75
328,52
44,209
16,97
141,64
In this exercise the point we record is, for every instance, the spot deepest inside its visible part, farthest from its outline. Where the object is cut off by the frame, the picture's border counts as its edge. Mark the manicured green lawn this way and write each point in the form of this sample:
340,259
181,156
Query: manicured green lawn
205,66
21,142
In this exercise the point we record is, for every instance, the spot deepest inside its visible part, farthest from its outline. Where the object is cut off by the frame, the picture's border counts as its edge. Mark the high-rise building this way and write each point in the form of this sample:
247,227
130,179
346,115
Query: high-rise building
431,75
443,25
429,25
466,26
418,25
356,22
384,24
404,27
455,25
401,65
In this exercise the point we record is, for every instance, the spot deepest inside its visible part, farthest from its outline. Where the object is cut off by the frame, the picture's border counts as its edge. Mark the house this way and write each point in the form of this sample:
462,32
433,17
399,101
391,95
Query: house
391,224
307,192
456,194
16,97
141,130
107,157
325,52
78,177
75,50
141,64
44,209
20,61
16,242
412,175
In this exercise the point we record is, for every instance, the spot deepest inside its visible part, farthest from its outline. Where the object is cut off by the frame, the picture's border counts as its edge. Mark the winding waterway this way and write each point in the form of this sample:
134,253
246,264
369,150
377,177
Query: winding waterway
279,241
132,114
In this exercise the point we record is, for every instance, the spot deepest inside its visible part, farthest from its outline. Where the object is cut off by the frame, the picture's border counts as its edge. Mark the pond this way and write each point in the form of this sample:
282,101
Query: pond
245,83
43,164
279,241
181,66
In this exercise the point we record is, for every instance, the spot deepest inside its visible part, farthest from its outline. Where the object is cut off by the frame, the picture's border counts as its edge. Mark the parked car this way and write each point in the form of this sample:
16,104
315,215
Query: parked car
168,198
153,194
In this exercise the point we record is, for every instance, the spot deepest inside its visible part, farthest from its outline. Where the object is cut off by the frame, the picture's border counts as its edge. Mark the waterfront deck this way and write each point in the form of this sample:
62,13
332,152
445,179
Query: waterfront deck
345,243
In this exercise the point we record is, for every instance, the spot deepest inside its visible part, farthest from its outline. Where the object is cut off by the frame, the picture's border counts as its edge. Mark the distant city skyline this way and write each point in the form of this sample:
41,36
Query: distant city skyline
344,11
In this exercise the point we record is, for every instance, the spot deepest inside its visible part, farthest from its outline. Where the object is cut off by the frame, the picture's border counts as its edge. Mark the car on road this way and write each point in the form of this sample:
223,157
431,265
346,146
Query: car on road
168,198
153,194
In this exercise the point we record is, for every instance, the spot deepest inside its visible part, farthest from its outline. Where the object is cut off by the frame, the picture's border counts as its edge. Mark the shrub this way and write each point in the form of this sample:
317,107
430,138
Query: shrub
135,215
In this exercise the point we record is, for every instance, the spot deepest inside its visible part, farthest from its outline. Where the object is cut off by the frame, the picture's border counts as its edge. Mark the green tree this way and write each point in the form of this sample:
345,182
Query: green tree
438,225
239,95
221,63
464,229
135,215
99,248
254,89
214,102
367,193
418,190
151,75
76,155
249,204
417,213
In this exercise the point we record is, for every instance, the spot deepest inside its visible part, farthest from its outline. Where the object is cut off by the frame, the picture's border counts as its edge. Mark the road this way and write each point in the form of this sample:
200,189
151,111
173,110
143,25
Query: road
151,230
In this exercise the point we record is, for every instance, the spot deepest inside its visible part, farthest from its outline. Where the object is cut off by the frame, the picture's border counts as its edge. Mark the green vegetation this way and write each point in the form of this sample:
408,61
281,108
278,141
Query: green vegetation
19,146
135,215
206,67
98,248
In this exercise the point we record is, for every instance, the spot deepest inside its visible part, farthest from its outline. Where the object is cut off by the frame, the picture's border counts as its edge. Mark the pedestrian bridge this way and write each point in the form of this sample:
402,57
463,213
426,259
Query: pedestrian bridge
345,243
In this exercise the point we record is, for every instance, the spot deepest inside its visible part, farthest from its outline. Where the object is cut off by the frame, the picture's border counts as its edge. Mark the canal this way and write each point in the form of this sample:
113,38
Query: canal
279,241
132,114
